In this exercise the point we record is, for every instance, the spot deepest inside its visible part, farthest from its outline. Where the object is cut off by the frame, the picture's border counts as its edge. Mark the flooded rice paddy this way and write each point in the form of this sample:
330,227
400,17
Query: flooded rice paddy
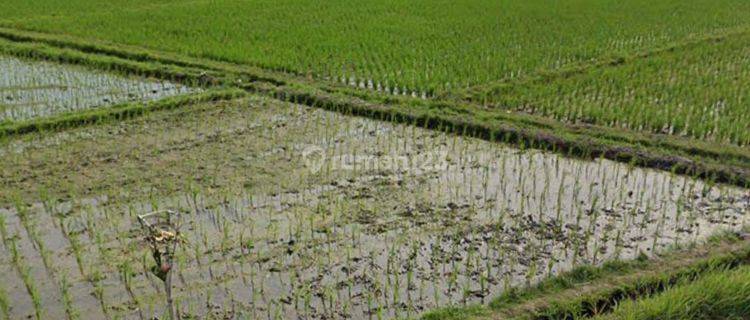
372,220
38,89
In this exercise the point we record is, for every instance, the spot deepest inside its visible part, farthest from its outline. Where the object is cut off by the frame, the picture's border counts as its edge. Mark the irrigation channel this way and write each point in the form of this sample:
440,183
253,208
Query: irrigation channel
37,89
381,221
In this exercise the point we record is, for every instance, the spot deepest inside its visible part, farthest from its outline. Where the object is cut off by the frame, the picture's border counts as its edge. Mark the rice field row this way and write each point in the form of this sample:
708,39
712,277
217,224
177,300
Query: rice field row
354,219
699,92
420,47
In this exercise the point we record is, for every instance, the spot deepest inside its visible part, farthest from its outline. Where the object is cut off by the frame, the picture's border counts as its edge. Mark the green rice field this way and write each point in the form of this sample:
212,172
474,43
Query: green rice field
421,45
425,159
427,48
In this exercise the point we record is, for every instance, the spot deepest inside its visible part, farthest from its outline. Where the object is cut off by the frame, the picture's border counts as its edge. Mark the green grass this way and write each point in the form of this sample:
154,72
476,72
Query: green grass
516,296
590,291
422,45
720,295
575,277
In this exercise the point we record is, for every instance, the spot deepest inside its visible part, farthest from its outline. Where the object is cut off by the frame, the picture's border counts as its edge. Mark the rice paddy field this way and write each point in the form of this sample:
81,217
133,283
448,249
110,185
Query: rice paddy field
473,159
41,89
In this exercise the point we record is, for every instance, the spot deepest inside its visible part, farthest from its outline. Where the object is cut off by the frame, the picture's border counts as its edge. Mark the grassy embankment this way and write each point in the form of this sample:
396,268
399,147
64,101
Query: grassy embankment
672,286
723,294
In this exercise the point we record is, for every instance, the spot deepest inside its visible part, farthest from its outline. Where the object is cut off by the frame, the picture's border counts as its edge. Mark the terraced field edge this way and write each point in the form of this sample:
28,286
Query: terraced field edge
117,112
717,163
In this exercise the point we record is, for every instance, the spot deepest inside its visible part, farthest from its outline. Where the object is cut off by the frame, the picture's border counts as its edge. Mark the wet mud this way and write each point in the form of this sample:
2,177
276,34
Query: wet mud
365,220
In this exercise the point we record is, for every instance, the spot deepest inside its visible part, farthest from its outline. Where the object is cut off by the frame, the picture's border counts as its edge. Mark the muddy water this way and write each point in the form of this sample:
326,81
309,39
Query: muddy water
376,221
38,89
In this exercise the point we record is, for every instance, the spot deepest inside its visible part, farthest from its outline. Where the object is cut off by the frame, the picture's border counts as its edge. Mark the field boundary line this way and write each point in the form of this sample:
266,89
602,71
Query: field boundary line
598,298
365,95
557,138
116,112
719,163
475,92
139,54
37,51
690,146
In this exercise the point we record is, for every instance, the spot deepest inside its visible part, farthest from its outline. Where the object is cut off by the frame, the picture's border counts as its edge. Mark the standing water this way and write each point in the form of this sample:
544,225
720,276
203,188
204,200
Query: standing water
39,89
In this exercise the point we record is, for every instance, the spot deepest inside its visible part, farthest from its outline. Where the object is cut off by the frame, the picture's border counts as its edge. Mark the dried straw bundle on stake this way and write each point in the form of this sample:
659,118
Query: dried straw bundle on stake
163,236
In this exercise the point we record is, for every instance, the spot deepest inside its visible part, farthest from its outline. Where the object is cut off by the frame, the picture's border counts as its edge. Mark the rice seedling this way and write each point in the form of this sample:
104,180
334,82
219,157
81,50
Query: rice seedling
4,302
403,48
28,280
70,308
695,93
